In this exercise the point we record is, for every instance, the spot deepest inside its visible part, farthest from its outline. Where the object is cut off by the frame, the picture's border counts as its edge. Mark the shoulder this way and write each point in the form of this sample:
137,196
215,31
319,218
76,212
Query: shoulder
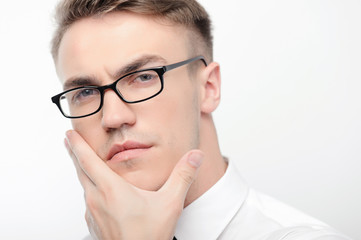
262,217
279,212
305,233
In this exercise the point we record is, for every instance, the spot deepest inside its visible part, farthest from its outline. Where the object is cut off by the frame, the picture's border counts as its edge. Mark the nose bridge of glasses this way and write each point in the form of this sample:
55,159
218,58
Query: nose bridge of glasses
113,104
113,87
114,111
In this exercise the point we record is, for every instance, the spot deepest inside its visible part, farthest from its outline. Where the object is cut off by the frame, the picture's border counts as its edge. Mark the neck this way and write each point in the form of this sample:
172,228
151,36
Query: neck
213,166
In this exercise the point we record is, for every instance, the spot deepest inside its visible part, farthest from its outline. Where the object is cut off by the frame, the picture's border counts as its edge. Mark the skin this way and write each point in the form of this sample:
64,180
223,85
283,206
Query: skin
174,123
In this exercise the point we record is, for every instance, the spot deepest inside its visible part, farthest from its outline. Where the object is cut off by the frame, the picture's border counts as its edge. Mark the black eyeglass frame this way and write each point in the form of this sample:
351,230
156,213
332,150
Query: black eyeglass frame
159,70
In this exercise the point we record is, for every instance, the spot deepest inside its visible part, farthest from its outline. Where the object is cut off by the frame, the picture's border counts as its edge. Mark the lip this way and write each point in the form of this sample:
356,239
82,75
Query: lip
126,151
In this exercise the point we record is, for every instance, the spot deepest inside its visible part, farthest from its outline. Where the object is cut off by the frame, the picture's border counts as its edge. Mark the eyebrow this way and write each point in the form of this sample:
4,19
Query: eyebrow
132,66
79,81
137,64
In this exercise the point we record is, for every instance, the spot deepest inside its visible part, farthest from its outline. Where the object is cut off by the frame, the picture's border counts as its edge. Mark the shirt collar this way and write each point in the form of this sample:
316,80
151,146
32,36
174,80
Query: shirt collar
208,216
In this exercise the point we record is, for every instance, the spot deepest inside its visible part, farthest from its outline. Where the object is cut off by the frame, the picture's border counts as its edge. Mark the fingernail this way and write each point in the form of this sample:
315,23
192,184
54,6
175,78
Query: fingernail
195,159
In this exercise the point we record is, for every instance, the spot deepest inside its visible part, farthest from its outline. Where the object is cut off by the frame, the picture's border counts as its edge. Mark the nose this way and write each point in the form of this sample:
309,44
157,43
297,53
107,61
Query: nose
115,112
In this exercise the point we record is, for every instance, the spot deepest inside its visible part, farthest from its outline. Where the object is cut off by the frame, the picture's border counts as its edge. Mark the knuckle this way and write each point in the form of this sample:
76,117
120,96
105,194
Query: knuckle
109,194
90,202
107,190
87,217
186,176
82,161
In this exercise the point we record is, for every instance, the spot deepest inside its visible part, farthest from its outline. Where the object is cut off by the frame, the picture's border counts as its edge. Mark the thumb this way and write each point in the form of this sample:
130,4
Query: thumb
183,174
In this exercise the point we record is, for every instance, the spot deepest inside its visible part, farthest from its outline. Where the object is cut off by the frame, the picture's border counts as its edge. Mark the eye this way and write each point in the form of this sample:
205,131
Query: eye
145,77
140,79
84,95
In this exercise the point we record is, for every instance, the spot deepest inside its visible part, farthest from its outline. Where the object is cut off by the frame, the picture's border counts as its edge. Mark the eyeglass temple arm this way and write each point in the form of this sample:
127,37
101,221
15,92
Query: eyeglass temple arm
175,65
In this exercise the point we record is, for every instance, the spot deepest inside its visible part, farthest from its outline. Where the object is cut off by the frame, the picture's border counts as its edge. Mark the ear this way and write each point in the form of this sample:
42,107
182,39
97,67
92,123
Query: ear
210,88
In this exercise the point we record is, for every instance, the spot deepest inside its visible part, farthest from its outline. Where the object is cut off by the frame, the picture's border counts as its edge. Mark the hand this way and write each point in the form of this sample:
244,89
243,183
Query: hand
119,210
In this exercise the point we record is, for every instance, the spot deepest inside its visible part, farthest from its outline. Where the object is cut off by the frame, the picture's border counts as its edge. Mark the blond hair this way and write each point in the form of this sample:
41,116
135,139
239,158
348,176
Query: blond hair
188,13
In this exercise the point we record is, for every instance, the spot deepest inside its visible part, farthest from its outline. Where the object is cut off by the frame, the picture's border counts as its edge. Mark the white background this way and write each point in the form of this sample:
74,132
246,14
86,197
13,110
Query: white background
290,114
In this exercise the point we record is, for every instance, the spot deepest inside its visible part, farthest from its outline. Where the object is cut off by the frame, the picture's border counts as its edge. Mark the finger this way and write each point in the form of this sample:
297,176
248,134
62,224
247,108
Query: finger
84,180
89,162
183,174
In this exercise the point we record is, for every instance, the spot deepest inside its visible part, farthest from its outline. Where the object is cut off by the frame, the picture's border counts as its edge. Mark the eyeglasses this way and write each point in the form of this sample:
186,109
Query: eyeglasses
133,87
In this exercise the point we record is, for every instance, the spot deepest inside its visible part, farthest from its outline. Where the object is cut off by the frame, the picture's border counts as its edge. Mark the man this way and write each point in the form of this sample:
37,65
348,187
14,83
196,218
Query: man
140,86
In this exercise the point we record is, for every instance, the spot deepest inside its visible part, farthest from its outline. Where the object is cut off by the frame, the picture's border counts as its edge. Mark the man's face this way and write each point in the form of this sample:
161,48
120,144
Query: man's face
158,131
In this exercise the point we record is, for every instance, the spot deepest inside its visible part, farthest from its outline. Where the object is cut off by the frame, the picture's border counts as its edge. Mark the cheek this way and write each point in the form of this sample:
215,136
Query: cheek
90,129
176,115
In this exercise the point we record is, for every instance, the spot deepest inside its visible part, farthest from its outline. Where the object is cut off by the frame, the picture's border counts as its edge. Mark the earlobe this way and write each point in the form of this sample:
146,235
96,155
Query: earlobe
211,88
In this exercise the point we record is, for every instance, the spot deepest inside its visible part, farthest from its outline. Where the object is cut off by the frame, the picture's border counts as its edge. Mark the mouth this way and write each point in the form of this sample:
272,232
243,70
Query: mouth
127,151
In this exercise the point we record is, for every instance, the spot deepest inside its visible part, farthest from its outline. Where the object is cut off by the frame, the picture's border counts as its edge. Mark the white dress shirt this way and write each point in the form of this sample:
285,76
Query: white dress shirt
231,210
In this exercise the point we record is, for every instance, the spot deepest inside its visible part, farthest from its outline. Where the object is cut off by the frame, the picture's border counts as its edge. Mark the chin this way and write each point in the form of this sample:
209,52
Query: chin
143,179
146,184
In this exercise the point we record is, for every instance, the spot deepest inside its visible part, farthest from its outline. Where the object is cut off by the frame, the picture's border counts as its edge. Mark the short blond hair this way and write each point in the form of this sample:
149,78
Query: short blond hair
188,13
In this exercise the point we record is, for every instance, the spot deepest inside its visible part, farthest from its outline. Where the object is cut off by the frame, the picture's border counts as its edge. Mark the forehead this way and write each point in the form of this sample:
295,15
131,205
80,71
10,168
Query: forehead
92,45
